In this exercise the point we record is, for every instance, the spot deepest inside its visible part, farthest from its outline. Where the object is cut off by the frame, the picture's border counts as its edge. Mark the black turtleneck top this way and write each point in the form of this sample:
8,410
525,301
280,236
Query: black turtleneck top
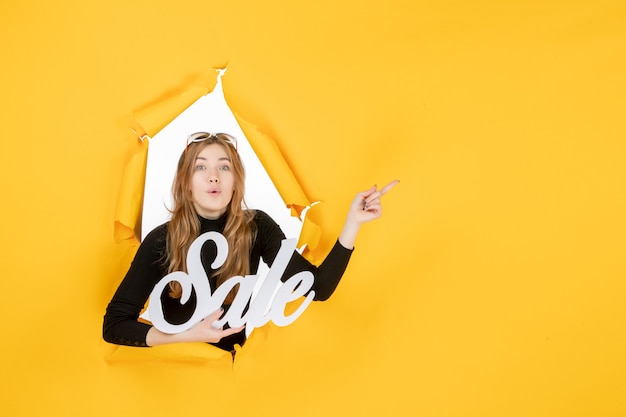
121,325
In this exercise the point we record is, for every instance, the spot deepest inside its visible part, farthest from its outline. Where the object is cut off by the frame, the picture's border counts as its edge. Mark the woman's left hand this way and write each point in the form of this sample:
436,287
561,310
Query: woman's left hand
366,205
364,208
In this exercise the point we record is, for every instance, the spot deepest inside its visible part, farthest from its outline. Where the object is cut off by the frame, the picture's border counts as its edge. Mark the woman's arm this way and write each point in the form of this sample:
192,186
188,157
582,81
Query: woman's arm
120,321
120,324
364,208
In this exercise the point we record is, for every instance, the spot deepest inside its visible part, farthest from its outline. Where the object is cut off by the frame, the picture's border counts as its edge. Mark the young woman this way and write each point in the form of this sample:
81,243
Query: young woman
208,194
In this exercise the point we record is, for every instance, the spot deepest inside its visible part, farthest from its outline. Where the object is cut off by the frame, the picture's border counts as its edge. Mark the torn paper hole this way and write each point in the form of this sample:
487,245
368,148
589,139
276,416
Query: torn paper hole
210,113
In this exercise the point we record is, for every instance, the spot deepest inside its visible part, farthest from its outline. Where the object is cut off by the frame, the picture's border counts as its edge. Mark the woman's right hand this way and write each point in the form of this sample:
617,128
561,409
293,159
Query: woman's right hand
204,331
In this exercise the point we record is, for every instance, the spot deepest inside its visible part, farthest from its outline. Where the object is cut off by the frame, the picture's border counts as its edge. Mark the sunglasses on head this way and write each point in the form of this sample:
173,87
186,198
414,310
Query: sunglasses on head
202,136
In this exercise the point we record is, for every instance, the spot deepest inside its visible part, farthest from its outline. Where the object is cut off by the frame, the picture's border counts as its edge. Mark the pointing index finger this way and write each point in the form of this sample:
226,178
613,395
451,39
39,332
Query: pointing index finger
388,187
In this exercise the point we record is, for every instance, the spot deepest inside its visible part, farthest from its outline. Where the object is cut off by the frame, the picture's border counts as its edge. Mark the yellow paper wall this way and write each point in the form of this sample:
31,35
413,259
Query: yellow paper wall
492,286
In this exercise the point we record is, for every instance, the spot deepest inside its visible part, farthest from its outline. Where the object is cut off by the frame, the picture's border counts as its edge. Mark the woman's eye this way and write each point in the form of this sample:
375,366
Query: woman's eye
224,168
200,168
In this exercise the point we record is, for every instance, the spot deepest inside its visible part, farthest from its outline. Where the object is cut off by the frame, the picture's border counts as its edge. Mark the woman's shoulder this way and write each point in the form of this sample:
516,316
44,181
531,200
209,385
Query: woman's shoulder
267,228
261,218
157,235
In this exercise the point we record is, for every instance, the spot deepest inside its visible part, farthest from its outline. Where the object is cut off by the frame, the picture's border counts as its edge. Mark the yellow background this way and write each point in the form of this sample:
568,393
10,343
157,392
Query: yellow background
492,286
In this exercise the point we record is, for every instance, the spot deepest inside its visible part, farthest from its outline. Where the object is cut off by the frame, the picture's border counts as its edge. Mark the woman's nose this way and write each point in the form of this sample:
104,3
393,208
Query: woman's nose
213,178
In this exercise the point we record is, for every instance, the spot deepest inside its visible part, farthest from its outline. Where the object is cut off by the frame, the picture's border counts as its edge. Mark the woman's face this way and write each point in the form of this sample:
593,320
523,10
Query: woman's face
212,182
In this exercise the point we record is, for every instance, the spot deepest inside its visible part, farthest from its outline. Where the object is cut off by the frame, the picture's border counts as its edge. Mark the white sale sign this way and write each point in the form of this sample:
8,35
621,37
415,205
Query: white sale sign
269,303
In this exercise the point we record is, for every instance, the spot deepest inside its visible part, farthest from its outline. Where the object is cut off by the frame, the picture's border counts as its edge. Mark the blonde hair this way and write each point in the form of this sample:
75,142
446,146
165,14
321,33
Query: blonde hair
184,226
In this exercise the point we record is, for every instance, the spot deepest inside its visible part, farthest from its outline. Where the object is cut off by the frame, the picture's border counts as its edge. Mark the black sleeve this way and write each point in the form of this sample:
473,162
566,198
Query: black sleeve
120,321
327,274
